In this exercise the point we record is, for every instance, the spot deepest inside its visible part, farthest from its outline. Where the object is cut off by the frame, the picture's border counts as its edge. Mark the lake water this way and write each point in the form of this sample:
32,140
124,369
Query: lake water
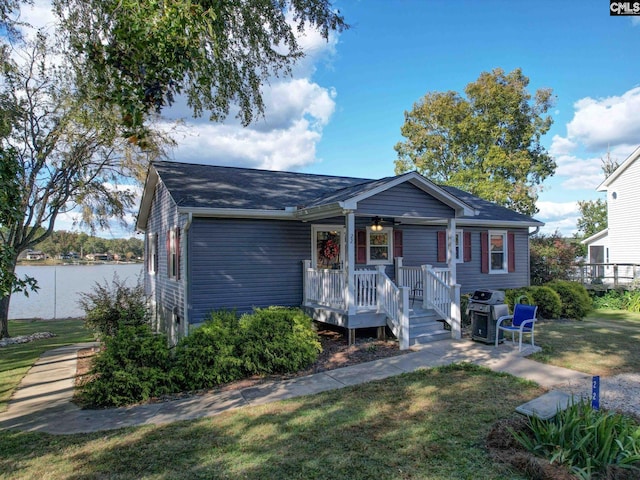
61,285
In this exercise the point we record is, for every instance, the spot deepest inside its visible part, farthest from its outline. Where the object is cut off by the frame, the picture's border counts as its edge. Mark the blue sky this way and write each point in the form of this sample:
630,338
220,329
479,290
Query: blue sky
342,110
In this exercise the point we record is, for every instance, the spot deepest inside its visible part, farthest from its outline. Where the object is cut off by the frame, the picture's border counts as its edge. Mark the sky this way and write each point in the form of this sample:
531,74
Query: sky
341,111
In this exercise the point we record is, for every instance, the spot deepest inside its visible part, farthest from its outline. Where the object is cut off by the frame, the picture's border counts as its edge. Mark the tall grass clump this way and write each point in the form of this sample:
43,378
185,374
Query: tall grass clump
591,443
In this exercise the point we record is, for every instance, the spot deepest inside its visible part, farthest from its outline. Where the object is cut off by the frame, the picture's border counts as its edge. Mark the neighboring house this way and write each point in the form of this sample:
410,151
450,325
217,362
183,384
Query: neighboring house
617,245
35,255
352,252
98,257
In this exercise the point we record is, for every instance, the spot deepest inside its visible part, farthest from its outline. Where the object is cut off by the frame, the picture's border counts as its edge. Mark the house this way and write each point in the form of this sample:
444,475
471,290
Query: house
617,245
98,257
352,252
35,255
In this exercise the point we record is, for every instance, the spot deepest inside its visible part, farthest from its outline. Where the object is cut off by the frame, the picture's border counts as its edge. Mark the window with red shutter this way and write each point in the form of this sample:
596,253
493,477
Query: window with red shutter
361,246
442,246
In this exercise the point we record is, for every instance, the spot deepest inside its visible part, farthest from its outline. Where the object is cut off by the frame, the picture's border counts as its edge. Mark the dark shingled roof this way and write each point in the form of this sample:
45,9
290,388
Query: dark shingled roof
487,210
208,186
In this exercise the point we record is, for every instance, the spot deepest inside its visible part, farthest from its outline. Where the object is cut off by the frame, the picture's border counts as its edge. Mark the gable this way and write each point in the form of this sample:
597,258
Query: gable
404,200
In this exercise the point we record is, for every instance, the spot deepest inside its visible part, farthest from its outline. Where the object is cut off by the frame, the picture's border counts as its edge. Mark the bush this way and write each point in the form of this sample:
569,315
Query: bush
209,356
576,302
110,307
278,340
548,302
588,441
133,367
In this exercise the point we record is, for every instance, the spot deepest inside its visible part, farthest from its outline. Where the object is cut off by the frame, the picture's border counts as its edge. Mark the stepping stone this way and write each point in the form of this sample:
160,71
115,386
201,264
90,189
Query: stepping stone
546,406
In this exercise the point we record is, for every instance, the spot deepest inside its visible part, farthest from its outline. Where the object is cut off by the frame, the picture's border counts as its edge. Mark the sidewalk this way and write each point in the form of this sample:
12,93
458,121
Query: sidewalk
42,402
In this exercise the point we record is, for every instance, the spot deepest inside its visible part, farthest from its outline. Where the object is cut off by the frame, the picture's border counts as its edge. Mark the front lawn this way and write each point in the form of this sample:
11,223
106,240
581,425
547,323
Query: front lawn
430,424
605,343
17,359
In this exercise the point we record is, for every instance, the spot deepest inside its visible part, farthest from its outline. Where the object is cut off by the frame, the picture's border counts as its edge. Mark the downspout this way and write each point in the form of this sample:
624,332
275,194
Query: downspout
535,231
185,277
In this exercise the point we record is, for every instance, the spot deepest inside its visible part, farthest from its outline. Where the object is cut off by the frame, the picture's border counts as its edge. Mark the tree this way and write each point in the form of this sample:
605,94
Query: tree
487,143
140,55
551,258
593,217
67,151
594,213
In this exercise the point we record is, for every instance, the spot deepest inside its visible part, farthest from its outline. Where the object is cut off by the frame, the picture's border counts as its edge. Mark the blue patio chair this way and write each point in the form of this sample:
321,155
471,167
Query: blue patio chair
521,322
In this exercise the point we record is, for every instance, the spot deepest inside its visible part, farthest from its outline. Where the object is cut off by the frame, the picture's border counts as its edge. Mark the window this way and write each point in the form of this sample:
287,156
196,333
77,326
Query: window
497,252
380,247
459,247
152,253
173,253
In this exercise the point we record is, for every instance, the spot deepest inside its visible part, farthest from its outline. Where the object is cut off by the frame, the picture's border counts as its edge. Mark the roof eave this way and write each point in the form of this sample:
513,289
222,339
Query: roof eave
147,199
238,213
618,171
595,236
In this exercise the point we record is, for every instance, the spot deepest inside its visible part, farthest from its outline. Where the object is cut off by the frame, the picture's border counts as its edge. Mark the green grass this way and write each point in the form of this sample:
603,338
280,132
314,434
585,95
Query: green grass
604,343
15,360
430,424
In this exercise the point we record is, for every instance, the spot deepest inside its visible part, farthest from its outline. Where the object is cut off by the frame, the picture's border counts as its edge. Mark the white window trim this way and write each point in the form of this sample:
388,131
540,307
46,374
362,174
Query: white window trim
172,261
389,260
505,258
326,228
459,235
152,251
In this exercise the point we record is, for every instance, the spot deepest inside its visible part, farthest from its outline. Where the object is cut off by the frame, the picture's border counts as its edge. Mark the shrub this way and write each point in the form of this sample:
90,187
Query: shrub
133,367
576,302
209,356
464,314
548,302
588,441
109,307
278,340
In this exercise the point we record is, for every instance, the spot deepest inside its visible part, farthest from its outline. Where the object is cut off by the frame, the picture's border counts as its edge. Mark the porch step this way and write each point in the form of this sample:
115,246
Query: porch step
426,326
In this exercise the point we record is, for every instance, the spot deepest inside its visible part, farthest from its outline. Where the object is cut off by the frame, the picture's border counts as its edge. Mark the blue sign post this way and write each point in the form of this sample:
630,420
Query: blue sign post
595,392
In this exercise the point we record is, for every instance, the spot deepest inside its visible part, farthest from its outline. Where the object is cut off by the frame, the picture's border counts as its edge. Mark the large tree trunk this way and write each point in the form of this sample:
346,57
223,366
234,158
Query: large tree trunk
4,301
4,316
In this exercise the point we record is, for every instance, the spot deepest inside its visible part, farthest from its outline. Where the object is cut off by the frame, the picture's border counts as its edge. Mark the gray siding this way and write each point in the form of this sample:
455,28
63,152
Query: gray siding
421,247
404,200
241,264
166,293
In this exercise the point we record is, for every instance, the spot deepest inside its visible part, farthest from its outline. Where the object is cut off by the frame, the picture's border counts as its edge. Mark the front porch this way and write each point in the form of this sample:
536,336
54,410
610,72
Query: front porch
416,306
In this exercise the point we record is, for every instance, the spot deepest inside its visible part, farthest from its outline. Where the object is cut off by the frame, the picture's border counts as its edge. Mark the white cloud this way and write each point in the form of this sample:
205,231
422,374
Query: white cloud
599,123
560,216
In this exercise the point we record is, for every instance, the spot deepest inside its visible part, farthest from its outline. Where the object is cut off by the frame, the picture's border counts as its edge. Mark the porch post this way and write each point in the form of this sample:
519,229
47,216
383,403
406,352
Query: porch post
451,250
456,314
350,263
306,265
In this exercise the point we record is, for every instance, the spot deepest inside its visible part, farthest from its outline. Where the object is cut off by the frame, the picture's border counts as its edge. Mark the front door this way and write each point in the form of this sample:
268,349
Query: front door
327,247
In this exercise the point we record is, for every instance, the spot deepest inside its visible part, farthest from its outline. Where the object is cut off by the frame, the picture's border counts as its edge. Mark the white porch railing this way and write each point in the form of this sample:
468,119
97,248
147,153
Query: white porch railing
366,289
433,287
325,287
375,291
394,303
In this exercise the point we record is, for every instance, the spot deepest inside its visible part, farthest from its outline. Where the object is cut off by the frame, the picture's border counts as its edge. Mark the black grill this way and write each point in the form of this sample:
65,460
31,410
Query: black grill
485,307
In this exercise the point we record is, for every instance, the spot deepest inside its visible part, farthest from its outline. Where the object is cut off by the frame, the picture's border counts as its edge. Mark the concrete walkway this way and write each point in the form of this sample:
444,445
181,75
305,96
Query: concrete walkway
42,402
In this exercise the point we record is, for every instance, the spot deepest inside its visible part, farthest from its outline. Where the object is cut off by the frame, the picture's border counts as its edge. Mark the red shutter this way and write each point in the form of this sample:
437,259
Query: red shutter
511,253
397,243
361,246
484,252
177,253
442,246
467,246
